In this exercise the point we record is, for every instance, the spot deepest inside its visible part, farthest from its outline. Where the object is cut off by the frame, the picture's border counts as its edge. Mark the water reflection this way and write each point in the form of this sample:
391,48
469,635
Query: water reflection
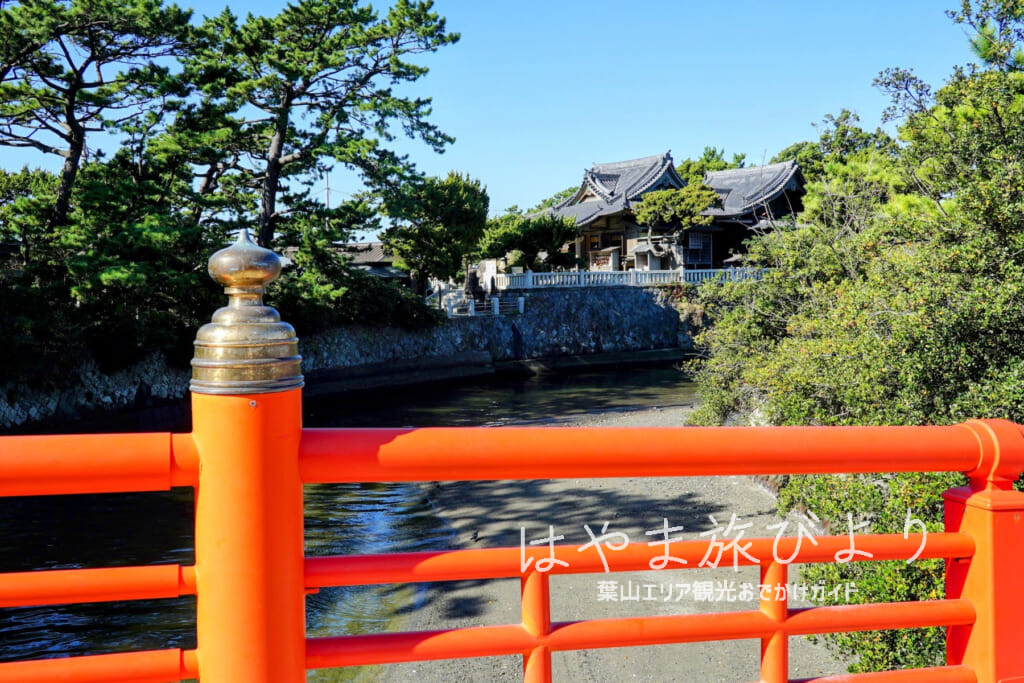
357,519
84,531
543,398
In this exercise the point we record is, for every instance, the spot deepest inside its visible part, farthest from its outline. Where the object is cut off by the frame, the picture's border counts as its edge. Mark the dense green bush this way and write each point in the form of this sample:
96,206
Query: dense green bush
320,292
126,276
897,297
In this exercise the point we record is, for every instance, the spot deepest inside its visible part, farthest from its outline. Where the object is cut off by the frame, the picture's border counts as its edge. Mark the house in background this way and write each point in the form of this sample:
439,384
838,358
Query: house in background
749,200
610,238
369,257
603,208
372,258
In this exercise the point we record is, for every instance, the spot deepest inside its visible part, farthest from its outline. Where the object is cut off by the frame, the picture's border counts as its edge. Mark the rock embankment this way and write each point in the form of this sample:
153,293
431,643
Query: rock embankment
560,326
564,327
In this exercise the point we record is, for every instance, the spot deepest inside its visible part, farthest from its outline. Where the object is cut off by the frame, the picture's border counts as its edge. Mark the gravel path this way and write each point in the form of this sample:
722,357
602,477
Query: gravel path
490,514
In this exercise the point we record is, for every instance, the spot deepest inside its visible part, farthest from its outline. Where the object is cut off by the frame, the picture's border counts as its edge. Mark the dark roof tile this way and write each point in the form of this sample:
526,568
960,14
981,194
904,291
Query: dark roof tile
741,189
616,185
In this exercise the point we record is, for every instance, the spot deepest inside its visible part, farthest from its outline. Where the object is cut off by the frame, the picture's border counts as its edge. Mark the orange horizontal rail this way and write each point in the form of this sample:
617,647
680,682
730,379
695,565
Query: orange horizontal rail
692,628
879,616
490,563
62,586
935,674
486,641
150,666
96,463
473,453
412,646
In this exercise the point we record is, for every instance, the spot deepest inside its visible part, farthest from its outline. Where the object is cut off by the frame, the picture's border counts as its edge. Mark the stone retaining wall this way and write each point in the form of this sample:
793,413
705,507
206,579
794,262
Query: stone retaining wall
93,391
556,322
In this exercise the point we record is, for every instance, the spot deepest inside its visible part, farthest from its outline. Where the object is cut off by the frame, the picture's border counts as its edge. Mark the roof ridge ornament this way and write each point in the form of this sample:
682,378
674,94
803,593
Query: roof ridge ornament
246,349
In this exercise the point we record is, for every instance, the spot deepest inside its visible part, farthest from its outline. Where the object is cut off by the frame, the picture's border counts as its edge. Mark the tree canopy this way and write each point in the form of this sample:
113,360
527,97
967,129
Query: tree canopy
69,68
997,33
221,126
712,159
529,237
840,137
679,208
439,222
895,298
320,80
554,199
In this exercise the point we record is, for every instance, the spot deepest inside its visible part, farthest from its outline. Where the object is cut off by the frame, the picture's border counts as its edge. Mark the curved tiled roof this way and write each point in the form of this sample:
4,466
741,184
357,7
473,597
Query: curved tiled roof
584,213
631,178
616,185
741,189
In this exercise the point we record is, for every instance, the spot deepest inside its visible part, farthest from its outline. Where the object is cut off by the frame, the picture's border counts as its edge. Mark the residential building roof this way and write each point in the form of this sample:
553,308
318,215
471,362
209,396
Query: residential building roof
611,188
742,189
374,259
360,253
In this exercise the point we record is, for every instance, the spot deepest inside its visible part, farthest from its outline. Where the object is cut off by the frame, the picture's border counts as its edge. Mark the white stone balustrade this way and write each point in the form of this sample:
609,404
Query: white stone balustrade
621,278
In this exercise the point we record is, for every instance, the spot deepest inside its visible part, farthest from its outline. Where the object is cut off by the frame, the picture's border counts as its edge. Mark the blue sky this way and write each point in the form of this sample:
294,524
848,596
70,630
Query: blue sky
537,91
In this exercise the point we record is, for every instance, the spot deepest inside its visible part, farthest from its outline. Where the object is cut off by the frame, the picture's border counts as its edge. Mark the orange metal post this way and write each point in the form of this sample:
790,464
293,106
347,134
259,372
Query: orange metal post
246,426
774,603
250,623
993,579
536,607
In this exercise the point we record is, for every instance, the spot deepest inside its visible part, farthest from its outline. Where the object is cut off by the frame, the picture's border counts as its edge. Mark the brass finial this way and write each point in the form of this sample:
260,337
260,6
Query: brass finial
246,349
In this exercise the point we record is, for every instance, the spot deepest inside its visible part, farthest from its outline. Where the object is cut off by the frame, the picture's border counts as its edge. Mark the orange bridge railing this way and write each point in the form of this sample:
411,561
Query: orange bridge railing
248,458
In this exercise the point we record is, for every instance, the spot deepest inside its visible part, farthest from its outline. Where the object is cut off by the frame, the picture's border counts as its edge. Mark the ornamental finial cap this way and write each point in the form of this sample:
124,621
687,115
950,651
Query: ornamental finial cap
246,349
244,264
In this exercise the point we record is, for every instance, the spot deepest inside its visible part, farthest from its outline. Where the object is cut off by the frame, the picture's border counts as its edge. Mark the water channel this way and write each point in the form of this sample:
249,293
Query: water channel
62,532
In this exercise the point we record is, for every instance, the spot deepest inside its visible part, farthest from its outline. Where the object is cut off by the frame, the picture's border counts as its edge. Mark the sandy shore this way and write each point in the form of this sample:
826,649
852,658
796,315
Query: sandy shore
490,514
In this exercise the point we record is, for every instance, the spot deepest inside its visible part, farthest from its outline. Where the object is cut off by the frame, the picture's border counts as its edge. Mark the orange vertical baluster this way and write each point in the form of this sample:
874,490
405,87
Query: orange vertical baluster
775,648
536,603
249,565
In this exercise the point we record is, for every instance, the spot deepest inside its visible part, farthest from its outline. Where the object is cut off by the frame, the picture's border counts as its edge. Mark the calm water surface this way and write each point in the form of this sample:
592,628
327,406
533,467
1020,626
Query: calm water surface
62,532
